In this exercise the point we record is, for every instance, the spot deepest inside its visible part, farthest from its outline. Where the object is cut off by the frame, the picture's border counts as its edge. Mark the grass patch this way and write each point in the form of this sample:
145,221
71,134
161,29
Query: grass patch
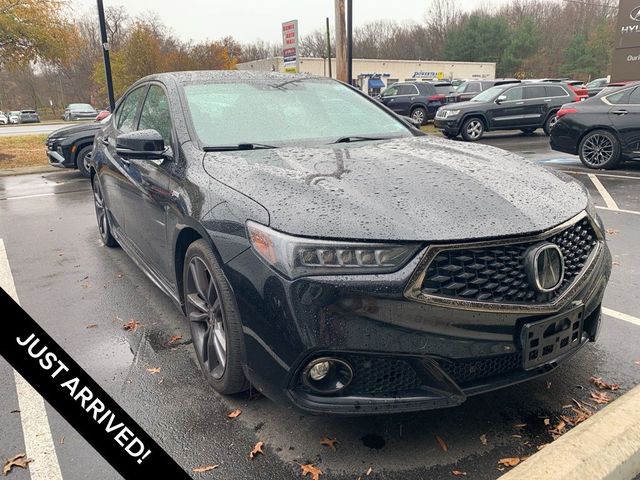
430,128
22,151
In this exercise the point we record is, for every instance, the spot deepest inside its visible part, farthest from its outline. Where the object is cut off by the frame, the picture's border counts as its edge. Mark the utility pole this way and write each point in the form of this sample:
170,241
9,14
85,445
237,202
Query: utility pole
341,43
350,40
105,54
329,47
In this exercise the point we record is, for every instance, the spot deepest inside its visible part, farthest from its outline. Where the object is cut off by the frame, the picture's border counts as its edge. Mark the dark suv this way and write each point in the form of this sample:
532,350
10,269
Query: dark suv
525,107
470,88
418,100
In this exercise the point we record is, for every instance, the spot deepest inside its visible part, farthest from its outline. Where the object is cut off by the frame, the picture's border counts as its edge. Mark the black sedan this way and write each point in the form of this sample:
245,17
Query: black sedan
336,258
70,147
603,130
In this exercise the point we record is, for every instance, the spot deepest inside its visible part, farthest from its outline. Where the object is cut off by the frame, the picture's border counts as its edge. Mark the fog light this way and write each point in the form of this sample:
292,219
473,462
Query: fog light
326,376
319,371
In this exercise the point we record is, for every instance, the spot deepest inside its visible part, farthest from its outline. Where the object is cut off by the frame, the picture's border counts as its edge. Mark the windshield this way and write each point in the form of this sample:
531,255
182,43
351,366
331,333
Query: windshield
80,106
489,94
312,110
444,89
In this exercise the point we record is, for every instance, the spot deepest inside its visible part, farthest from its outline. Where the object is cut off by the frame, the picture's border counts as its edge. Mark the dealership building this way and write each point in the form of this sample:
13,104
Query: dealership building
372,75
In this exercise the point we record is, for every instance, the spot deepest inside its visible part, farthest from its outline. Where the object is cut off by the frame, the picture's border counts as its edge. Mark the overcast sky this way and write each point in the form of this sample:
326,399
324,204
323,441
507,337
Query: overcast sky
248,20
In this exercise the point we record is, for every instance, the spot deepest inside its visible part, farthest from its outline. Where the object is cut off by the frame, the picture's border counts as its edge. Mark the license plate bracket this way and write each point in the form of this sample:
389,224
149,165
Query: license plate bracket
546,340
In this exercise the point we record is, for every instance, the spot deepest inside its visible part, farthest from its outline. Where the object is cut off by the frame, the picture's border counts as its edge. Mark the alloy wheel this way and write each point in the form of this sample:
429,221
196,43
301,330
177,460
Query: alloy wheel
474,129
206,315
552,122
101,212
597,150
85,161
418,116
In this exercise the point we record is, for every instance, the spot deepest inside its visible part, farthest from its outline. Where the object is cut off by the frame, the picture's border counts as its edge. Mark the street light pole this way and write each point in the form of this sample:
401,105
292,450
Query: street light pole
350,41
105,54
329,47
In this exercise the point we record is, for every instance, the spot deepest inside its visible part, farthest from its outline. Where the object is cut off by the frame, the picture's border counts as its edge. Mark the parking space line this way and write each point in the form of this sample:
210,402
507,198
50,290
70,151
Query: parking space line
38,439
621,316
611,203
30,196
618,210
610,175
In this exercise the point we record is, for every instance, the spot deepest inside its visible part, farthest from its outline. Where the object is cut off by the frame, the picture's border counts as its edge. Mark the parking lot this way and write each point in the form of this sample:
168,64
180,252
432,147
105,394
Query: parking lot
83,293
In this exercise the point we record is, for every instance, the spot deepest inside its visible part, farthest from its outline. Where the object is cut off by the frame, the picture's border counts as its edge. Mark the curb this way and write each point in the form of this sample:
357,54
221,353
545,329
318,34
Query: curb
9,172
604,447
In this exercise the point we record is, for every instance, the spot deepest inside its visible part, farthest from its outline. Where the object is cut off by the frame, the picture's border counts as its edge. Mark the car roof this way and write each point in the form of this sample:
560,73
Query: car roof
228,76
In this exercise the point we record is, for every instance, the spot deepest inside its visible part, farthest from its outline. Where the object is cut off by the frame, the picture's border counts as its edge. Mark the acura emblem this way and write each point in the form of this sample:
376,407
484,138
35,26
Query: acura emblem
544,265
635,14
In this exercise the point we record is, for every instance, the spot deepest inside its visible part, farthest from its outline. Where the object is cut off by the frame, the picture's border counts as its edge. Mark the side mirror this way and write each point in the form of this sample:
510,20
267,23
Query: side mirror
141,145
500,99
411,120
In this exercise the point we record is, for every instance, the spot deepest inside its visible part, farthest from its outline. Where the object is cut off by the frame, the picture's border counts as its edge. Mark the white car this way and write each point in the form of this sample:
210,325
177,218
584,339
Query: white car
3,119
14,117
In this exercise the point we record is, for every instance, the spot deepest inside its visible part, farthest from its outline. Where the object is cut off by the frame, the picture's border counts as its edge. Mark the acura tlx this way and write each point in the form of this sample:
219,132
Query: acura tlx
336,258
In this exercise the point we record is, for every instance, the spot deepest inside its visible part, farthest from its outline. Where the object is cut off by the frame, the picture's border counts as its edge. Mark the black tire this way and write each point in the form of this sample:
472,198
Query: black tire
472,129
448,135
212,312
549,123
82,160
419,114
600,149
102,215
527,131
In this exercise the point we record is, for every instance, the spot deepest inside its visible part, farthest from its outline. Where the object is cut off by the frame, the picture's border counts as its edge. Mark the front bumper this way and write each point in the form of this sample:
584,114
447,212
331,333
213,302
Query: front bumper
450,126
407,355
59,157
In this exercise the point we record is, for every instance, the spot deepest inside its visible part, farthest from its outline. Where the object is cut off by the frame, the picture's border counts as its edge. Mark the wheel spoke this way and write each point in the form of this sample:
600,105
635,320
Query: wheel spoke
195,300
198,317
199,276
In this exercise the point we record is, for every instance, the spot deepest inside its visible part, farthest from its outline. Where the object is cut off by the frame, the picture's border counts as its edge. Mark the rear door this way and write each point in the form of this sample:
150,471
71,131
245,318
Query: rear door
404,97
536,105
625,117
509,113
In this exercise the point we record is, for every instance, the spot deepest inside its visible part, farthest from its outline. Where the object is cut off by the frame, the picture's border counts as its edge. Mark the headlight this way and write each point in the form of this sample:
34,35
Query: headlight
296,257
451,113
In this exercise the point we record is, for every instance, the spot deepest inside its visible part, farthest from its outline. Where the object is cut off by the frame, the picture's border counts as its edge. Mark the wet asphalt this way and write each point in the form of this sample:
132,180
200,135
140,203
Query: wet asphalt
67,281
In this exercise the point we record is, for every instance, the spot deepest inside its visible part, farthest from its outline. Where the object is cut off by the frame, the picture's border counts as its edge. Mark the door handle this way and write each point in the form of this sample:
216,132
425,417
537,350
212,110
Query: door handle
620,112
547,100
104,140
519,103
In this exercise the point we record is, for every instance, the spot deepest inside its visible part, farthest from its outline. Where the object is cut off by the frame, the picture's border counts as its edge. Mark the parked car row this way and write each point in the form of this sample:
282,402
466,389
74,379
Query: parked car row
19,116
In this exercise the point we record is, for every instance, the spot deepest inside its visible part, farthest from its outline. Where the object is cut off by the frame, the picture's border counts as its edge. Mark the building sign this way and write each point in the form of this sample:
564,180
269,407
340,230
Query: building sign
425,74
625,64
290,46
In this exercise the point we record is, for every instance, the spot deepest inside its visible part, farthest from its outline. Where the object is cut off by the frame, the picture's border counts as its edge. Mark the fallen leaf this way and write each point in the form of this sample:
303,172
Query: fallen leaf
234,413
174,339
369,471
540,447
256,450
509,462
443,445
600,397
204,468
483,439
62,440
19,460
91,325
329,442
312,470
132,325
612,231
153,371
637,362
160,381
558,429
548,385
520,425
547,422
602,385
458,473
516,436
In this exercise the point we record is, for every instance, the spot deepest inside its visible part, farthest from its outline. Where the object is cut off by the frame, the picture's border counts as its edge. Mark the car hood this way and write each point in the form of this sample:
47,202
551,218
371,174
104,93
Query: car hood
73,129
463,105
417,189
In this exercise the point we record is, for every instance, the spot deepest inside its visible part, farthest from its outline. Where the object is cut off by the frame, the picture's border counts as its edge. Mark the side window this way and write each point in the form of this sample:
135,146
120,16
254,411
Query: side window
513,94
390,91
155,113
537,91
555,91
407,89
126,114
618,97
634,98
473,87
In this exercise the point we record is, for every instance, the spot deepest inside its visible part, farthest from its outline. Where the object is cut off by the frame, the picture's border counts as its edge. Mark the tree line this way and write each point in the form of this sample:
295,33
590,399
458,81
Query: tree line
50,55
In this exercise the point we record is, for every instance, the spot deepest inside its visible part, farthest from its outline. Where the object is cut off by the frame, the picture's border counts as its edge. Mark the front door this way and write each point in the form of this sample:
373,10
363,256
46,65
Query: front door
147,196
509,113
626,119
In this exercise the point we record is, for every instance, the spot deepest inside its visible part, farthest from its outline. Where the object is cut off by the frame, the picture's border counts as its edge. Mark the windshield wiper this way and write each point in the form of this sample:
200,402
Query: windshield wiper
239,146
356,138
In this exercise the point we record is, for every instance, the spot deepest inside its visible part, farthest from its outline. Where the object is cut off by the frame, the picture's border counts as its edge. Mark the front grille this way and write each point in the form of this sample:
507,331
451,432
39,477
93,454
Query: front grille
377,376
465,371
496,274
